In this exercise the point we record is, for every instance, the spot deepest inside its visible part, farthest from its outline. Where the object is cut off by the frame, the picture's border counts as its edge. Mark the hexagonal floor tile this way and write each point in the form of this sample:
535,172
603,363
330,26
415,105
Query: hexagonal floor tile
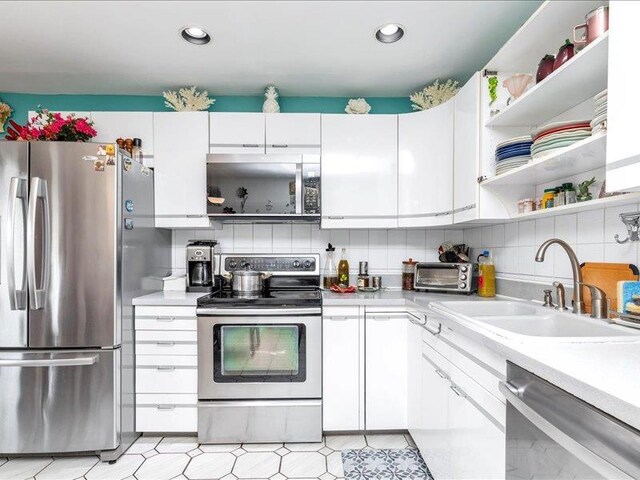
256,465
23,467
124,467
278,476
67,467
334,464
345,442
387,441
303,464
144,444
327,476
177,444
210,465
163,467
304,447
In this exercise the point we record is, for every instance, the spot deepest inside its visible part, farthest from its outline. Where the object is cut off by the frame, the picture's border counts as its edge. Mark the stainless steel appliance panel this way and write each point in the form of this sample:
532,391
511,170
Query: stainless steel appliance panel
260,421
73,254
552,434
14,178
308,387
59,402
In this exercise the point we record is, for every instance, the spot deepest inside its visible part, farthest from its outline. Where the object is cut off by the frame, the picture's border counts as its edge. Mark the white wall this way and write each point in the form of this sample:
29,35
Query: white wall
590,234
383,249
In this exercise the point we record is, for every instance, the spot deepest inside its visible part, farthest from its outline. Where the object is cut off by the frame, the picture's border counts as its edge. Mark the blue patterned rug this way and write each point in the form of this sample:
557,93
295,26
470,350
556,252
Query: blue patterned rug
372,464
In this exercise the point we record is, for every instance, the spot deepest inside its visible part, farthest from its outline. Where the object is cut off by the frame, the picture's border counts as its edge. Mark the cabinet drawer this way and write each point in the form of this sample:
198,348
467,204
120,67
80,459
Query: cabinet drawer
166,418
166,379
166,348
352,311
166,361
165,318
178,399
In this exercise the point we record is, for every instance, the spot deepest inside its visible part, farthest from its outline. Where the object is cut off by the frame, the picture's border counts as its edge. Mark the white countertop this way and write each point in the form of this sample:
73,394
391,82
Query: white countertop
604,374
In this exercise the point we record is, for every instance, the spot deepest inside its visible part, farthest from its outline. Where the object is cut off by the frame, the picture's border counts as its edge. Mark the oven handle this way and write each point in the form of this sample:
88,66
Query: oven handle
513,396
256,312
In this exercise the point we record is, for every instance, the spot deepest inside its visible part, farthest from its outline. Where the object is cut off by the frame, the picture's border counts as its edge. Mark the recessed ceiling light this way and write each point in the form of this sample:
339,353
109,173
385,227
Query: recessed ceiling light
195,35
389,33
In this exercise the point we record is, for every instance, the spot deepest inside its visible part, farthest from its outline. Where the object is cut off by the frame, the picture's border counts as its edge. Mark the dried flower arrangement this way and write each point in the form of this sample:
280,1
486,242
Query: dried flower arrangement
49,126
357,106
187,100
434,94
5,113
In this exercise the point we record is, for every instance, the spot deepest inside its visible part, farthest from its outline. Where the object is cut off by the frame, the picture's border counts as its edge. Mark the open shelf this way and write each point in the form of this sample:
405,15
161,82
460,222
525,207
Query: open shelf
581,206
582,156
576,81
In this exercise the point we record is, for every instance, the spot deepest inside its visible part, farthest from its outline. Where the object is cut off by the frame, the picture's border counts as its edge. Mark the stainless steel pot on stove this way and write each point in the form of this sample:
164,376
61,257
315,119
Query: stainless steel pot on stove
247,281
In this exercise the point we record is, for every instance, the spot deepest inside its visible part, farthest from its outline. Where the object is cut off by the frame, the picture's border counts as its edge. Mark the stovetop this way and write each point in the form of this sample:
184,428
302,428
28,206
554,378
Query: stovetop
266,299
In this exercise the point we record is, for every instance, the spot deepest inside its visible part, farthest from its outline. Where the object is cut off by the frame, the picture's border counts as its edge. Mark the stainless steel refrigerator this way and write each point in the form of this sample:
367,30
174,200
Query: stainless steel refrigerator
77,244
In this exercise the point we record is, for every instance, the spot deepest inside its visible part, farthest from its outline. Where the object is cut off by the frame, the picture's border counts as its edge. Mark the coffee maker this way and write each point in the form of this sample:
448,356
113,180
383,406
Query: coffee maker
201,266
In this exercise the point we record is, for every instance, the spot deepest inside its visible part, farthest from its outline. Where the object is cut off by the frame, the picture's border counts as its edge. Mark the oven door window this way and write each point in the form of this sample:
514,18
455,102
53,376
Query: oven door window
438,277
259,353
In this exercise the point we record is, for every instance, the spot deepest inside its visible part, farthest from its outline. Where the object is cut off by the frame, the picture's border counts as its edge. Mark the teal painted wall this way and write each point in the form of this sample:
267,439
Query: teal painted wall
23,102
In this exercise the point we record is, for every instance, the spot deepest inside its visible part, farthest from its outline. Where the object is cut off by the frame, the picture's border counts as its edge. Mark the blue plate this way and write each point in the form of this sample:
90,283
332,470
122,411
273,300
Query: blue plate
514,147
515,153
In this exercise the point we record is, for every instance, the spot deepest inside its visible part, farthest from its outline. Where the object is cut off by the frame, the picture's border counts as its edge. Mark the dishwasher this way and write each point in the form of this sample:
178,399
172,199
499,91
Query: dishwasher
552,434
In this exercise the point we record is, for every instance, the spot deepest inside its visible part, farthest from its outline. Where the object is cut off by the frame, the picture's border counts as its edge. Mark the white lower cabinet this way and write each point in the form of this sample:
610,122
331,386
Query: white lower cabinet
343,379
386,371
166,412
414,372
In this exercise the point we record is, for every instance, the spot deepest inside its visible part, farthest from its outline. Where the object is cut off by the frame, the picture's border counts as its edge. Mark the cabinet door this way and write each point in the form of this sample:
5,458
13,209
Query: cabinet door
359,169
466,150
432,437
341,372
181,140
237,133
386,371
425,167
623,102
414,375
293,132
113,125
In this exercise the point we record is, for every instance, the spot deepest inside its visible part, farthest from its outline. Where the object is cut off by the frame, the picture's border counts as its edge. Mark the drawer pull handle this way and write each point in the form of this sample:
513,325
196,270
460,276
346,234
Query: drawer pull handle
250,145
279,146
165,344
166,407
457,391
166,369
442,375
433,331
165,319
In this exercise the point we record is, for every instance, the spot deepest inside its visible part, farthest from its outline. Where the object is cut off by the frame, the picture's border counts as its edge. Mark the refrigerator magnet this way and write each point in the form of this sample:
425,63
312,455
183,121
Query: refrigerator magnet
98,165
102,150
111,160
128,165
110,150
145,170
128,223
128,205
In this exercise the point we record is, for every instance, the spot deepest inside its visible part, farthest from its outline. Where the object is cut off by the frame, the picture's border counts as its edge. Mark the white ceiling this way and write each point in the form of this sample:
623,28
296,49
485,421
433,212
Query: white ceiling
324,48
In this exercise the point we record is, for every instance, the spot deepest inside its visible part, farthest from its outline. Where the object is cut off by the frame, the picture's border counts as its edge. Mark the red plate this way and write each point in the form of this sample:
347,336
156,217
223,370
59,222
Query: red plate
577,126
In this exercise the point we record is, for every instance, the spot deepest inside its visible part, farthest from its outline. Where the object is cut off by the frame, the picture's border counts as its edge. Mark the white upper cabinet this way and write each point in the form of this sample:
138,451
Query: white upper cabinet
237,133
425,167
623,102
466,150
359,169
181,141
113,125
293,133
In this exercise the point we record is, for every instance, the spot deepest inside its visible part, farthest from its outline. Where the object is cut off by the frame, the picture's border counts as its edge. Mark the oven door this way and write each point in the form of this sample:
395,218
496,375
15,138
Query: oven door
437,276
259,354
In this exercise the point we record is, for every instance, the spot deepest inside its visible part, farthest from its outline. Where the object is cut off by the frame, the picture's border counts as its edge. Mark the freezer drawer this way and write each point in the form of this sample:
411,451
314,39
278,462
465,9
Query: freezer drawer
59,402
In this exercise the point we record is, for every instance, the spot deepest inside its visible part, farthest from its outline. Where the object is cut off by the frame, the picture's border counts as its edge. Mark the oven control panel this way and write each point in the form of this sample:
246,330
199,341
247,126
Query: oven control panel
275,264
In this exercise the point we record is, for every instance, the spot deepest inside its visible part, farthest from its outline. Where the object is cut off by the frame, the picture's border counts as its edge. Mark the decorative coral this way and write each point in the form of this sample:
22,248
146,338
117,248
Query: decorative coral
357,106
434,94
270,104
187,100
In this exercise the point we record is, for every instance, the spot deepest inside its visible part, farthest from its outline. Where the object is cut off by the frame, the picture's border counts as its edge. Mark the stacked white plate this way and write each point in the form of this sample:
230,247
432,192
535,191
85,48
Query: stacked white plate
599,122
512,153
554,136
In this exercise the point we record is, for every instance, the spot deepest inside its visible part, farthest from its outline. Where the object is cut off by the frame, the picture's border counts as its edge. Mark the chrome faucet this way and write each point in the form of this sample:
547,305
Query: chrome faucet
578,303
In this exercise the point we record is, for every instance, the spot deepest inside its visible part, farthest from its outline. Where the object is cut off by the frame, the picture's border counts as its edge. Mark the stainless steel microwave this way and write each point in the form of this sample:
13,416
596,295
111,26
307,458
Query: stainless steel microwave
446,277
253,187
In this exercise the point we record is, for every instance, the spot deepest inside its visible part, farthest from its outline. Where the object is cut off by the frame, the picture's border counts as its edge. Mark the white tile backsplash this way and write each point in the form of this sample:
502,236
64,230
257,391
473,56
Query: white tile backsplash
589,233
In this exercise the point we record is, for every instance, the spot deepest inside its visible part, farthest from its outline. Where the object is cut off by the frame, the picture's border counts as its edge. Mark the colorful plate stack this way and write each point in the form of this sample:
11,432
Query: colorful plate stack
599,122
554,136
513,153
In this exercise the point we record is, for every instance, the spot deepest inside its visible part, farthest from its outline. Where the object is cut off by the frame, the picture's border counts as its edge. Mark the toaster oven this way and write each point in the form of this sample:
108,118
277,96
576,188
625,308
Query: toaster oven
446,277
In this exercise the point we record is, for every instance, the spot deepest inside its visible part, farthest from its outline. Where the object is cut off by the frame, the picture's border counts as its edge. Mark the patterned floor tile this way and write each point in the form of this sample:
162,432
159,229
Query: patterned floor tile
144,444
303,464
163,467
230,447
393,441
67,467
402,464
210,465
123,468
22,468
261,447
256,465
177,444
342,442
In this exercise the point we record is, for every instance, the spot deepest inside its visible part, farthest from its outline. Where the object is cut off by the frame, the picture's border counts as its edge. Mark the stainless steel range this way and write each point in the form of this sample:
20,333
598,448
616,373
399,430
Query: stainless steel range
260,354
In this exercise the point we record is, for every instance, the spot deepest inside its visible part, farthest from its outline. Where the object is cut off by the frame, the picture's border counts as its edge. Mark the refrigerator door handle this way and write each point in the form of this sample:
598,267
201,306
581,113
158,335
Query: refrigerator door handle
50,362
37,295
17,192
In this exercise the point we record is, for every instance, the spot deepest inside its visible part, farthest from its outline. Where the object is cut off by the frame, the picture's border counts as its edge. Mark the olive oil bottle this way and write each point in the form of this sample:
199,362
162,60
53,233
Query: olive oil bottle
343,268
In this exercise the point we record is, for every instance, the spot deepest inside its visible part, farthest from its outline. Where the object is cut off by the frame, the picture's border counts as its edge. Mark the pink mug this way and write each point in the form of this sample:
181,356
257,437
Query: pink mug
596,24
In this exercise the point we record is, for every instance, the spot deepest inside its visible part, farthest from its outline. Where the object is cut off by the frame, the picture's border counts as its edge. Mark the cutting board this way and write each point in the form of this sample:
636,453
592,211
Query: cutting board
606,276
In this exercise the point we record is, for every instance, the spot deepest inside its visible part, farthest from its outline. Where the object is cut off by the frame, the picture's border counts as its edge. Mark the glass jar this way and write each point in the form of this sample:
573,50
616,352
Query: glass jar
569,194
330,273
528,205
558,197
408,274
